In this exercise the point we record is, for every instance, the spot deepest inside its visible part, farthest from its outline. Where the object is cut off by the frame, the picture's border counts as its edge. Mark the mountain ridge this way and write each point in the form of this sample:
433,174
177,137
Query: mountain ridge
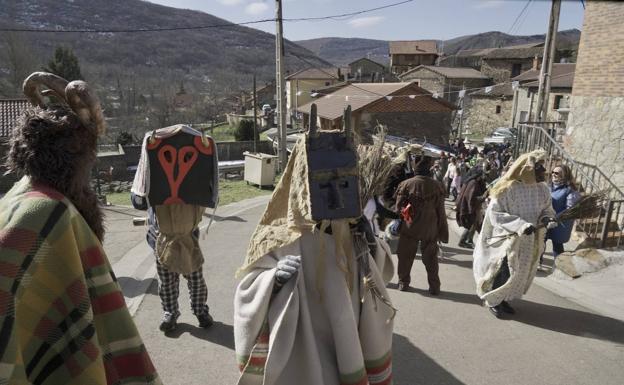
341,51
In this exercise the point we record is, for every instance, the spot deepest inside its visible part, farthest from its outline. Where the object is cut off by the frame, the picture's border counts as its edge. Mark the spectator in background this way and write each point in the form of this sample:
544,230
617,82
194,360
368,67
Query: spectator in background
451,171
564,195
436,172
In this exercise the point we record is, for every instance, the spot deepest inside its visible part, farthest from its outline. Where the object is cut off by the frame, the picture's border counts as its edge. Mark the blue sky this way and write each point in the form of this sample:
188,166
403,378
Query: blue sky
420,19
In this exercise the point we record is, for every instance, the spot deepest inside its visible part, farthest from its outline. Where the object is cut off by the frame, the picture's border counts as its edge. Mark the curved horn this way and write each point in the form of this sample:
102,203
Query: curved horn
85,104
55,84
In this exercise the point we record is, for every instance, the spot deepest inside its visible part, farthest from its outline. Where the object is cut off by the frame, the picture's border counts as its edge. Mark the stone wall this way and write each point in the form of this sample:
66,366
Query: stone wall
595,131
480,117
434,82
500,69
595,134
433,126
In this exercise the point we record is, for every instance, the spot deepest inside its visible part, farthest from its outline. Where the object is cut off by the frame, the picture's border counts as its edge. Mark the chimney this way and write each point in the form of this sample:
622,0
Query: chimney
536,63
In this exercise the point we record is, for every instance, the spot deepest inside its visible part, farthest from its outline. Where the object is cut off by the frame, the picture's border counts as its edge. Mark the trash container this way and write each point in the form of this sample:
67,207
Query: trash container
260,168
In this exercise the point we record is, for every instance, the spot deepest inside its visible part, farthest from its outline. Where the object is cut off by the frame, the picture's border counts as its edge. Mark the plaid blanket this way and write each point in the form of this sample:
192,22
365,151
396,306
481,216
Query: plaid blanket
63,319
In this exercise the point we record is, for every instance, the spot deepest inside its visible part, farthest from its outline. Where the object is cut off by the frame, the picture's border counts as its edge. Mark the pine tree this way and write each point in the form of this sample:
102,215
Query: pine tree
65,64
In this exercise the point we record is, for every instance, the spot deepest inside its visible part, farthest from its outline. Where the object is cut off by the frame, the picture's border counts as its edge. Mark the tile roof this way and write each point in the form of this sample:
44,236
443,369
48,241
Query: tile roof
565,80
413,47
474,52
500,90
369,95
515,53
450,72
367,60
533,74
315,73
10,111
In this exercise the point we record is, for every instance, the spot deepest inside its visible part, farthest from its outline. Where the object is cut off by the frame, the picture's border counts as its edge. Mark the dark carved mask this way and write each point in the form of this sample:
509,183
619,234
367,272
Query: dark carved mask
333,176
182,170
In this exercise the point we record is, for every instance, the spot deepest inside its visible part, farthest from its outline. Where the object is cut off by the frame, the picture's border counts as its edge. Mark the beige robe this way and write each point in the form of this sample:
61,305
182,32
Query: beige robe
509,214
315,330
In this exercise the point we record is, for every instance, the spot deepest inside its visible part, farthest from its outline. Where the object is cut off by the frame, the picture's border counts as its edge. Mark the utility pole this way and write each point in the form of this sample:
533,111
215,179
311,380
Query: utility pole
461,109
280,85
547,63
255,113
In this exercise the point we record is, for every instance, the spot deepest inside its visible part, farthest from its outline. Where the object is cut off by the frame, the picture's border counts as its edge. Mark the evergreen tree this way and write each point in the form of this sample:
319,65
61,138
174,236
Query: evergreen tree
65,64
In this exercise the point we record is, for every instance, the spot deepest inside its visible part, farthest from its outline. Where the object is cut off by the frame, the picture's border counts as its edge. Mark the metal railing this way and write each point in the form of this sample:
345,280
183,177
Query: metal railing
604,227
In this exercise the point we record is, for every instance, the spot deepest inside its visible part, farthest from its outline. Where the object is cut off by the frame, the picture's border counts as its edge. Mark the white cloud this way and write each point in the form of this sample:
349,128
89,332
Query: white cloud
483,4
364,22
256,8
231,2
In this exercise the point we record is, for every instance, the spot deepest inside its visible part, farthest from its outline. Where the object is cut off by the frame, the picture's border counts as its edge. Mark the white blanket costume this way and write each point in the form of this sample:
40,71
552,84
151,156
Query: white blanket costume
315,330
517,202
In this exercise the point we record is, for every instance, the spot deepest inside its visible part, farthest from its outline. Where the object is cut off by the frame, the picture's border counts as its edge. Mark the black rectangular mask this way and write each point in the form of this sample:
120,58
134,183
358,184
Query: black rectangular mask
332,176
182,170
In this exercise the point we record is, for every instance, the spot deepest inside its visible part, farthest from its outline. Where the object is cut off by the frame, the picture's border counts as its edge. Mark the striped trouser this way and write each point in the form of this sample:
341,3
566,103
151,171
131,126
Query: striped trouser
169,290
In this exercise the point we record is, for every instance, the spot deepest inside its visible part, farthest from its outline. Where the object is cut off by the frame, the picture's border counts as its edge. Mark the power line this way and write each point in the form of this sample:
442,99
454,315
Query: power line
518,17
350,14
200,27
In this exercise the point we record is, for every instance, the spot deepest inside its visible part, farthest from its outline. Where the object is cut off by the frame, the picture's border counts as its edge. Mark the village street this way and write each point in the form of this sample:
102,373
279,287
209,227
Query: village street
450,339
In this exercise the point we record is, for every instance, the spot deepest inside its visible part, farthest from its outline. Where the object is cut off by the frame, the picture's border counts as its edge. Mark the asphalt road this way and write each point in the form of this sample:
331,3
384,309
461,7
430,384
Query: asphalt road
450,339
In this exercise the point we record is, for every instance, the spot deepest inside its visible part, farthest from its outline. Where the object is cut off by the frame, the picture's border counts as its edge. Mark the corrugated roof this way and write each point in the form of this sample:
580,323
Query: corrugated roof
558,69
565,80
500,90
10,111
361,95
315,73
411,47
450,72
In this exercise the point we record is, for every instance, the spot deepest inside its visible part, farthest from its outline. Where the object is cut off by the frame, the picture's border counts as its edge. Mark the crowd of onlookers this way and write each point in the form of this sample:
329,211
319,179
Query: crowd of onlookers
451,168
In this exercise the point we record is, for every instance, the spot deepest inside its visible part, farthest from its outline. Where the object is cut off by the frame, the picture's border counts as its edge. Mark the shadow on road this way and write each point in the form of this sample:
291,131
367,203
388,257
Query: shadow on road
558,319
219,333
231,218
132,287
411,365
570,321
451,261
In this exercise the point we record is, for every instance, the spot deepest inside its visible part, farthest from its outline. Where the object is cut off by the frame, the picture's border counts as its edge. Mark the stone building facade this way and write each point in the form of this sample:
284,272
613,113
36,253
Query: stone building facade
405,55
595,131
484,111
366,70
445,81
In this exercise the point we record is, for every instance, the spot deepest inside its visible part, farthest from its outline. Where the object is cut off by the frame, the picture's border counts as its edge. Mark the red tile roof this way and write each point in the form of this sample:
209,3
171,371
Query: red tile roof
10,111
374,98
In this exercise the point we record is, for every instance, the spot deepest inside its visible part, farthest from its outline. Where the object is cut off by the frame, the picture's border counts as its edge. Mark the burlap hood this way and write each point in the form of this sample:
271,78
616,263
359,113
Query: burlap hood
288,213
522,170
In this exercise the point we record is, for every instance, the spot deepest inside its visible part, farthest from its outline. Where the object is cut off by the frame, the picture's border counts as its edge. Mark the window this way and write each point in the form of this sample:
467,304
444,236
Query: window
327,84
498,109
561,101
516,68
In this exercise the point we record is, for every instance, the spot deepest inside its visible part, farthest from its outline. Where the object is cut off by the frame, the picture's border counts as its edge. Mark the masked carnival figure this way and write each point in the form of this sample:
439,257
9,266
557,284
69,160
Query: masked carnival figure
176,180
511,241
63,319
312,308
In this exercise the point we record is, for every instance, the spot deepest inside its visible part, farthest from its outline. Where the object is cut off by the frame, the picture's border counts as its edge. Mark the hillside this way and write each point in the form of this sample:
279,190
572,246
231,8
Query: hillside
341,51
211,62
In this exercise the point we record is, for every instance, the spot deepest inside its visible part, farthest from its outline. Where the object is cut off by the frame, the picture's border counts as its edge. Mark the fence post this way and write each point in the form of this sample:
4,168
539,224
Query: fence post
605,225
